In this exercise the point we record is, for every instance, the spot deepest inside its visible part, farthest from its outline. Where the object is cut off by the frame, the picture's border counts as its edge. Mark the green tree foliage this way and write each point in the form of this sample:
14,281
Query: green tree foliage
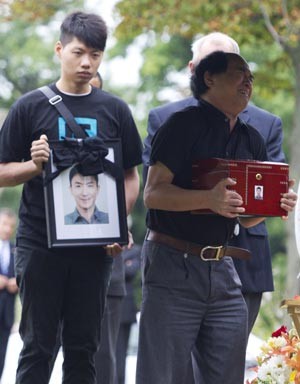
256,25
34,11
25,61
171,25
245,20
10,197
26,56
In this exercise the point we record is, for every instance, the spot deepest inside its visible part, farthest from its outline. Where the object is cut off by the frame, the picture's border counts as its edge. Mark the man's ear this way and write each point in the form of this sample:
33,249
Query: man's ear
58,48
191,66
208,79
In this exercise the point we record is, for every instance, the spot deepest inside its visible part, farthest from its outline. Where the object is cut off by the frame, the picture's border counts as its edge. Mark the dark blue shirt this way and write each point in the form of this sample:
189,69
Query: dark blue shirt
98,217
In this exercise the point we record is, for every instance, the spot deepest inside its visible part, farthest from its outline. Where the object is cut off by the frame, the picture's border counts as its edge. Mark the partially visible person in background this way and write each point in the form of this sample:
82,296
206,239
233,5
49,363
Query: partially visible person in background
97,81
132,261
105,358
8,286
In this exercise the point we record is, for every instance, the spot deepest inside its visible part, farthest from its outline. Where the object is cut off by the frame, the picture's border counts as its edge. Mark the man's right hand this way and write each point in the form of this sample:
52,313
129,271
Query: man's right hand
224,201
40,151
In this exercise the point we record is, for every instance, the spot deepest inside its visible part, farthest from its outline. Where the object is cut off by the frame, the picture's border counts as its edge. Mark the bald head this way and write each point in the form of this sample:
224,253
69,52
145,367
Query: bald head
215,41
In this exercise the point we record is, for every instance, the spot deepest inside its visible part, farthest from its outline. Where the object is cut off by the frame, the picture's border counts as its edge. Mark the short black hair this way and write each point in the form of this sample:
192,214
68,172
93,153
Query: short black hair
89,28
75,170
216,62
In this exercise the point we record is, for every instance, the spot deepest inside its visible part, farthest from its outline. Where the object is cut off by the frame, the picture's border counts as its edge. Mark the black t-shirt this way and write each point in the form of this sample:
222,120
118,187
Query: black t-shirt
199,132
99,113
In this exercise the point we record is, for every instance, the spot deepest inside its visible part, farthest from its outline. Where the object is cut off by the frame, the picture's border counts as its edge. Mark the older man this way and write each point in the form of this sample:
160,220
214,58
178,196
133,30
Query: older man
255,275
191,292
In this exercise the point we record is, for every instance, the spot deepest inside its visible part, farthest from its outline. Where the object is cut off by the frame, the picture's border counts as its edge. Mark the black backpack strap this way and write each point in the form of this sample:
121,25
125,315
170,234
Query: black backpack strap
57,102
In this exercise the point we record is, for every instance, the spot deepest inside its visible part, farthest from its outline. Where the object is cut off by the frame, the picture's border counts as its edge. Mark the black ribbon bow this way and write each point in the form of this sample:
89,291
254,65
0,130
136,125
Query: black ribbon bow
88,155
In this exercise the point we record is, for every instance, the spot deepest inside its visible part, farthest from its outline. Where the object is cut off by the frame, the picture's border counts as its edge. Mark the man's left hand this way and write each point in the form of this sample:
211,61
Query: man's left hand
289,199
114,249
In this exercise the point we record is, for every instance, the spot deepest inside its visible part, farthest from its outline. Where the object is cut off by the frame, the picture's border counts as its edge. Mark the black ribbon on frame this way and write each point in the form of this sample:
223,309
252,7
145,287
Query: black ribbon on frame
88,155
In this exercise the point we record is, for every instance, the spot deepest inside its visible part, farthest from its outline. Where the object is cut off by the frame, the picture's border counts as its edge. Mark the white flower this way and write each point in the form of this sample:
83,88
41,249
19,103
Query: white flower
274,371
273,343
277,342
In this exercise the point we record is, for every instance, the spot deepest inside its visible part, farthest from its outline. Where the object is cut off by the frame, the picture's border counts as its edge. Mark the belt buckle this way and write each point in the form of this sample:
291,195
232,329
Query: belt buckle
217,256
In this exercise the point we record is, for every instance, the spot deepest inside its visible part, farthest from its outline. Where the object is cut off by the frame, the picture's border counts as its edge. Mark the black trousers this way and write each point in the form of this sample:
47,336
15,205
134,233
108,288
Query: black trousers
122,346
4,336
67,288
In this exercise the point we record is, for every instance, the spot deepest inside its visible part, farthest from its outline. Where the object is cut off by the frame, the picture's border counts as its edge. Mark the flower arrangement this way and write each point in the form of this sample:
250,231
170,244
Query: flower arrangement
279,361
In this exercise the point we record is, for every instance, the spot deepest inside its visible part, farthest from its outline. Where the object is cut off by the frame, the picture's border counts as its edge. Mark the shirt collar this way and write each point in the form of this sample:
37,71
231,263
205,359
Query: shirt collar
78,217
211,109
217,114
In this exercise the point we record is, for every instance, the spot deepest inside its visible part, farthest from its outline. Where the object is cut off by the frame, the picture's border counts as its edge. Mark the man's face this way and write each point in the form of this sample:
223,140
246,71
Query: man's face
79,63
7,227
231,90
84,190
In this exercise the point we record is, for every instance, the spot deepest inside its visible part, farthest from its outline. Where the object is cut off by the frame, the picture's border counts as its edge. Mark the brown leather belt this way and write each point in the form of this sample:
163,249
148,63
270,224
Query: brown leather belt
206,253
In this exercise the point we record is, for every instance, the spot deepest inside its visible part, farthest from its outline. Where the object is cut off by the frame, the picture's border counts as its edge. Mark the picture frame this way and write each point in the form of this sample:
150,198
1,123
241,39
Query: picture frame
65,199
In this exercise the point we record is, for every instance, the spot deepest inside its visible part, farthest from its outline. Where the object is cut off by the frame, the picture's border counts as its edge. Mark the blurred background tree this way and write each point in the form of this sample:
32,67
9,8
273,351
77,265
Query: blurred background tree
28,31
160,35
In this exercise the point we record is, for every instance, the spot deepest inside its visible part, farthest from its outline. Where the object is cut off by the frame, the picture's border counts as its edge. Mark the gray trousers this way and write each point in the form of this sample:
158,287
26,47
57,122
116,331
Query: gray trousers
189,303
253,302
105,358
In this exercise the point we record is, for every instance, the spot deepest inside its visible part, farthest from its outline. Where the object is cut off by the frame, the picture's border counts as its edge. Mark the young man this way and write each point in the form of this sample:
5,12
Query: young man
85,190
63,286
8,286
191,292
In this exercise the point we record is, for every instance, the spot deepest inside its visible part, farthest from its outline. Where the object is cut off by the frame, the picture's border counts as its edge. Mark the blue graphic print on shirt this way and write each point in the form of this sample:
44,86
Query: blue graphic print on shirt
84,121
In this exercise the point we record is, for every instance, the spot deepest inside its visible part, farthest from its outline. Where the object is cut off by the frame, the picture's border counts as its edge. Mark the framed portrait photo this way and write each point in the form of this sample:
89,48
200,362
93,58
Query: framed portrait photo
85,210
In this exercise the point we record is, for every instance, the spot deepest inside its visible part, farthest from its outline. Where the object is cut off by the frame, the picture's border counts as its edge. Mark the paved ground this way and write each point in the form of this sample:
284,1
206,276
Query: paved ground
13,350
15,345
